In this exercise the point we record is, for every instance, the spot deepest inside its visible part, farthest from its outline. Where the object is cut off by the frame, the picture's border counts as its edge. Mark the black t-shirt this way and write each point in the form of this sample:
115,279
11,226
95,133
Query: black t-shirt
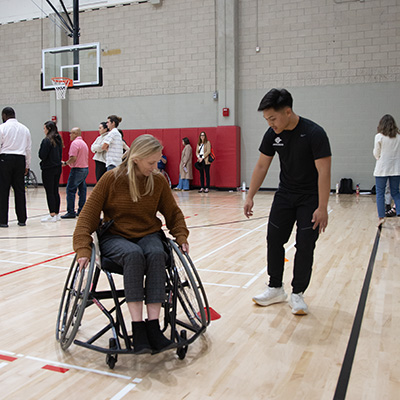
298,149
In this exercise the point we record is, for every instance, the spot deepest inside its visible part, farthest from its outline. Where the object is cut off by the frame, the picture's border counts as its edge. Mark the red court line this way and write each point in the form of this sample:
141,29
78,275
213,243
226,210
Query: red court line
7,358
34,265
55,369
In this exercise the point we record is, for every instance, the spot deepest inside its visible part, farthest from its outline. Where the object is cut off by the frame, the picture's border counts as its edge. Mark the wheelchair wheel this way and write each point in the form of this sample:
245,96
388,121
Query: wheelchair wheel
166,176
189,291
30,179
74,301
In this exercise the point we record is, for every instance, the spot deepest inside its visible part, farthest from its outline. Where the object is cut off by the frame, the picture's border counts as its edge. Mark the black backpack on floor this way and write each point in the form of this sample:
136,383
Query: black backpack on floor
346,186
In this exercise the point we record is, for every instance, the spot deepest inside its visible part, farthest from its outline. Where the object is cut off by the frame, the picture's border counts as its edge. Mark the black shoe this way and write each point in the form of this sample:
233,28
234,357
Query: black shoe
68,215
3,226
156,338
21,224
391,213
140,341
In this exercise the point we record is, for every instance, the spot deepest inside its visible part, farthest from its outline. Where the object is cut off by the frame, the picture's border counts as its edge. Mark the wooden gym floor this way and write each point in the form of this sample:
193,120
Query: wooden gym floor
250,352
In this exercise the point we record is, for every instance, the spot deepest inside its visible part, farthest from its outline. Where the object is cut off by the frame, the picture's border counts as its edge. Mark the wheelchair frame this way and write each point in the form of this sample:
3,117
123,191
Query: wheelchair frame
166,176
30,179
184,293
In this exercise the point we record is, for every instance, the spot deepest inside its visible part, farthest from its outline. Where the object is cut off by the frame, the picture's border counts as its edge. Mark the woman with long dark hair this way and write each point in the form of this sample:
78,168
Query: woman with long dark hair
50,153
387,167
203,150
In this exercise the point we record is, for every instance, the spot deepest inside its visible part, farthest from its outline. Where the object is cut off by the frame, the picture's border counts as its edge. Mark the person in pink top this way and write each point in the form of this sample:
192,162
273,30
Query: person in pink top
79,162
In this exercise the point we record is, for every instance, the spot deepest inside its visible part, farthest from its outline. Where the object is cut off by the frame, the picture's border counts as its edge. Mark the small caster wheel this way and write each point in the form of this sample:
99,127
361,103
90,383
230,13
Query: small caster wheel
181,351
111,360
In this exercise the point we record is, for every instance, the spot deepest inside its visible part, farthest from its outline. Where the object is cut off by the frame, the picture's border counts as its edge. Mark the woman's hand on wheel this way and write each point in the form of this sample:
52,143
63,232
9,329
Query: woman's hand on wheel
185,247
83,262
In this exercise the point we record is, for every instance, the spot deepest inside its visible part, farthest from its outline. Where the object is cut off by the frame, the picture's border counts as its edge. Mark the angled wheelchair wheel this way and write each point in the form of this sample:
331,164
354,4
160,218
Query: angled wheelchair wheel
166,176
74,301
190,293
30,179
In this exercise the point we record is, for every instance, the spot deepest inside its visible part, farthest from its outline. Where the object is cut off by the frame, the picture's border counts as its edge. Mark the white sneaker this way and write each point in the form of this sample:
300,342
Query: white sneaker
58,217
49,218
299,306
270,296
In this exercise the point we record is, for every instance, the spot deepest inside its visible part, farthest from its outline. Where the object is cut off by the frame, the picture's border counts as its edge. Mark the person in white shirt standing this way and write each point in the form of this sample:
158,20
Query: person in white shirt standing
15,158
387,167
113,144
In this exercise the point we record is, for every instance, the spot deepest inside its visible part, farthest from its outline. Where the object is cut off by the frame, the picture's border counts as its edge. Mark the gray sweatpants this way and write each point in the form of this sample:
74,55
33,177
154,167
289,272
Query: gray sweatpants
139,258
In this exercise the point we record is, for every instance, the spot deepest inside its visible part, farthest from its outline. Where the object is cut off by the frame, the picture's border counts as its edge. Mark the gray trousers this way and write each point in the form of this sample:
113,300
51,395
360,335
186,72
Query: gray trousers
139,258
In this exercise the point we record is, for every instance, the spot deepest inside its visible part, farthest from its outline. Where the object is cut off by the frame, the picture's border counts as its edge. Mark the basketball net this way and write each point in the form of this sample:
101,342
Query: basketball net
60,86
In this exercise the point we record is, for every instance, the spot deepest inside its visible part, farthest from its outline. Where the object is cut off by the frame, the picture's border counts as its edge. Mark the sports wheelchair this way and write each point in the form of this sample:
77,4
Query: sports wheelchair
186,310
30,179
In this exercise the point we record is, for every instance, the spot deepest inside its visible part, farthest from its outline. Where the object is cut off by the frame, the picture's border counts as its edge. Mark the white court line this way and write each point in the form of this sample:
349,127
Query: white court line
220,284
24,263
126,389
14,262
53,266
229,243
252,280
7,353
33,252
224,272
118,396
60,364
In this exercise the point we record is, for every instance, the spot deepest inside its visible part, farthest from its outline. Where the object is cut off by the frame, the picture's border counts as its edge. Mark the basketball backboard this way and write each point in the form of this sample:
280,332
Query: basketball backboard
80,62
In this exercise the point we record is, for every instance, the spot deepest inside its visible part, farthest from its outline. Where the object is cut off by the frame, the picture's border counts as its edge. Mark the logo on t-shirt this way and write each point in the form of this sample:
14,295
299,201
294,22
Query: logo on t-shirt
278,142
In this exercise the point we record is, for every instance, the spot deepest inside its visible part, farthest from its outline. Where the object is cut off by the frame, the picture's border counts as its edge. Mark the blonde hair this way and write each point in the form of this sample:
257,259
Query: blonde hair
143,146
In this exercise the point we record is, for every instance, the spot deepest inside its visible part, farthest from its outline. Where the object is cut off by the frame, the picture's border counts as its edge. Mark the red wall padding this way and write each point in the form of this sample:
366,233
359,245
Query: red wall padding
225,140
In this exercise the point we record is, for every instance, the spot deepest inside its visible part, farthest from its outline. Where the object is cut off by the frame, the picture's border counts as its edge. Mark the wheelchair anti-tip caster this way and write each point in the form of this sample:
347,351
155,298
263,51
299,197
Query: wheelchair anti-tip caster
111,359
181,351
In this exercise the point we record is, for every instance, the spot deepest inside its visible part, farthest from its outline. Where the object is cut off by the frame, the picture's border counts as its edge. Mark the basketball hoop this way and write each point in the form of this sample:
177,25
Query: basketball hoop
60,86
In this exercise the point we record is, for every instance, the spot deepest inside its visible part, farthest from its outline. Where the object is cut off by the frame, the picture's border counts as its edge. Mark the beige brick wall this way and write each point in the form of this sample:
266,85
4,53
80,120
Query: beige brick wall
20,62
318,42
152,51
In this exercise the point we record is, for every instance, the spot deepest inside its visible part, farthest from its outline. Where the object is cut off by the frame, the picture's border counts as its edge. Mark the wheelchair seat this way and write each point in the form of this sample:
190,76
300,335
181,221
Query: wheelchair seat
186,309
109,265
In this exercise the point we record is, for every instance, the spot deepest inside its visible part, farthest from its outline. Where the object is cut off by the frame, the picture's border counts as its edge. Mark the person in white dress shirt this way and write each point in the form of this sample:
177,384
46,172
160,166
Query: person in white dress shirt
99,154
15,158
113,143
387,167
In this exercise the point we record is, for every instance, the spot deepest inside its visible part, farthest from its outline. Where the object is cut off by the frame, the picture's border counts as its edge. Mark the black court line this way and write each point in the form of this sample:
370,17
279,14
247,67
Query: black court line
344,377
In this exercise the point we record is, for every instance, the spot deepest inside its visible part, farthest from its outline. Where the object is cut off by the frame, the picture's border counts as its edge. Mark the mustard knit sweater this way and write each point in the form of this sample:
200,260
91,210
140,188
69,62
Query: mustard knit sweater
131,220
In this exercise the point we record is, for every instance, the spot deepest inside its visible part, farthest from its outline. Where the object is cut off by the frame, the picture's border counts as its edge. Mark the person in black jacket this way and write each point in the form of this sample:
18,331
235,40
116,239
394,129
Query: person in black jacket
50,153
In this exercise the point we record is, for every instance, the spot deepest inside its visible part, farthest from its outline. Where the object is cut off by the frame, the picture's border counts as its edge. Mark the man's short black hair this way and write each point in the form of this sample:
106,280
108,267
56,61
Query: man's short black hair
276,99
8,112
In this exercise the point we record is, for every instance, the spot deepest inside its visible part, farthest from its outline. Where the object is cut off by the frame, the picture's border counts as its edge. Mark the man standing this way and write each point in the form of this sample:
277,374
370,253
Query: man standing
78,161
302,197
15,159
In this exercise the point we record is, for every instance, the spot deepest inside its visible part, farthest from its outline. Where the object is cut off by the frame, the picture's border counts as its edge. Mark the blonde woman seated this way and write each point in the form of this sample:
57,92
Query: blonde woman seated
131,195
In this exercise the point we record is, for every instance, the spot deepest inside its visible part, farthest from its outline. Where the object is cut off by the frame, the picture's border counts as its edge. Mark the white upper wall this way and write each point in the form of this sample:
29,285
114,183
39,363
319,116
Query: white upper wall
14,11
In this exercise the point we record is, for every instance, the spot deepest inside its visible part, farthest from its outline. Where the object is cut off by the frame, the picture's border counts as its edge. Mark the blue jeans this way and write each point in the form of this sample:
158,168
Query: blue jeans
76,181
380,184
183,184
